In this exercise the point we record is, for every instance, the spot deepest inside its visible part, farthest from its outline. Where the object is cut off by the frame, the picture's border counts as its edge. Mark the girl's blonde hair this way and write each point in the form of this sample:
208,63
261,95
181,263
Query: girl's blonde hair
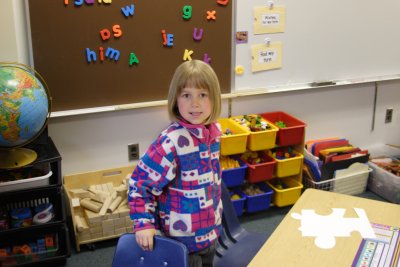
195,74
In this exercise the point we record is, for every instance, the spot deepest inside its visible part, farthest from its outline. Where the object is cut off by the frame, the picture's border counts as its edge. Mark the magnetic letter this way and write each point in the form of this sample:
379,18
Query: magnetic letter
164,36
117,31
211,15
207,59
89,2
105,34
112,53
223,2
90,55
101,53
133,59
170,39
196,35
187,12
187,54
128,10
78,2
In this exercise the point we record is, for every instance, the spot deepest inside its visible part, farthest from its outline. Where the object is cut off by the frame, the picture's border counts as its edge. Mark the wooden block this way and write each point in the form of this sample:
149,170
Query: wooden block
81,224
115,203
79,193
99,196
107,225
120,231
97,229
113,215
92,217
97,235
123,211
119,223
90,205
105,206
84,236
75,202
109,233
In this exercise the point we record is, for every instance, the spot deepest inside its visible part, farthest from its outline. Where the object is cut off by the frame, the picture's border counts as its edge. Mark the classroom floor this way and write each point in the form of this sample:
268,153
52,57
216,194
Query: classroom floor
102,253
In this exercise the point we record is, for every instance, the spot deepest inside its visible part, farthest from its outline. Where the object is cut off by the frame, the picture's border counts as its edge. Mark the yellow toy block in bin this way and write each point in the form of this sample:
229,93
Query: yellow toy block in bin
236,141
289,166
286,191
260,139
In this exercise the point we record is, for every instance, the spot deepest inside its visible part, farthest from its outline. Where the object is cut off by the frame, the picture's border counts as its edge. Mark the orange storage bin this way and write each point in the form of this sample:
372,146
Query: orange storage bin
292,134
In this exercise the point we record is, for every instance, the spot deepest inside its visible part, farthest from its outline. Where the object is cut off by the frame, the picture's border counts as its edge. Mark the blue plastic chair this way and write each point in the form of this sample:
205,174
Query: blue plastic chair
236,246
166,252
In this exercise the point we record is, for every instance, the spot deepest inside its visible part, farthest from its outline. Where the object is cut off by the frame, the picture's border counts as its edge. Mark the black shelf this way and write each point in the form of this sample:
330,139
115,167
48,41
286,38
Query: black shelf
33,195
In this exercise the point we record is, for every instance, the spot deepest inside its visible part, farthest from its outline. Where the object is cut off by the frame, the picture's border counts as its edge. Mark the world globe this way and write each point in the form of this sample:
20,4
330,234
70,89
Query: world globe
24,110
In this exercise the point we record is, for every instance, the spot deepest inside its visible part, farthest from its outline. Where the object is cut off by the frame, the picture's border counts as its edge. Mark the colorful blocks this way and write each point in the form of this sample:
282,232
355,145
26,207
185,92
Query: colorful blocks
211,15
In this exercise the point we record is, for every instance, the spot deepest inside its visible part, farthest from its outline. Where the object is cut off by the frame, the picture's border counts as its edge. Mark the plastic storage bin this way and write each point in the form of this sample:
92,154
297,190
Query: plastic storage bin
235,176
285,196
384,183
292,134
261,140
235,143
261,201
260,172
9,183
238,204
289,166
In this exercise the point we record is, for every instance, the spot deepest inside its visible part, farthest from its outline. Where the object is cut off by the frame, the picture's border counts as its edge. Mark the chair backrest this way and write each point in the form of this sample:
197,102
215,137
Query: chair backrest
230,220
166,252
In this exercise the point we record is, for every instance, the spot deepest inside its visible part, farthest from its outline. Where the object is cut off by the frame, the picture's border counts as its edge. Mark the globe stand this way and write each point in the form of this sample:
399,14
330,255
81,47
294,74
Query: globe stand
16,157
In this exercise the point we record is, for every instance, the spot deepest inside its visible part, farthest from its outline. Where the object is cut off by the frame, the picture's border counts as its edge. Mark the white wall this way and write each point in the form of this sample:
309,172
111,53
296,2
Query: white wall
99,141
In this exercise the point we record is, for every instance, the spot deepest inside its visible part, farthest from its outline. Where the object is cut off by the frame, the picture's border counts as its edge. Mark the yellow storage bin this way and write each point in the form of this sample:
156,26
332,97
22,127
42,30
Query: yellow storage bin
288,195
289,166
261,140
235,143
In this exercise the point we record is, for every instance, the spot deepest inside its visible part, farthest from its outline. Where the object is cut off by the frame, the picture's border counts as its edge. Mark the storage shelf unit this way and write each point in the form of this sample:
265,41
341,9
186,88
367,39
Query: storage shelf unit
29,197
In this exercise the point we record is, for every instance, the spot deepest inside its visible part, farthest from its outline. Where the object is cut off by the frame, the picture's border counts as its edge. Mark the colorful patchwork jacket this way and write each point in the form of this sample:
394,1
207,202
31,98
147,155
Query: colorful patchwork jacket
176,186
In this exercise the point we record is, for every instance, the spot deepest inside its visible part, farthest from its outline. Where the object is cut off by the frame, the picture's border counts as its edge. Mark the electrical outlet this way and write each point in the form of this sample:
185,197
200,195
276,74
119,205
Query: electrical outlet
133,152
389,115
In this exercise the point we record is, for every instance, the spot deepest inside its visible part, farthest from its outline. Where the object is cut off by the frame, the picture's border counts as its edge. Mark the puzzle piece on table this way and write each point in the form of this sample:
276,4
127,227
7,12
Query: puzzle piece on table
326,228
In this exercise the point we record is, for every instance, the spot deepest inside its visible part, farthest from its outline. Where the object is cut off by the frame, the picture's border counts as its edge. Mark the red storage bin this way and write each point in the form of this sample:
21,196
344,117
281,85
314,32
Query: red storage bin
260,172
292,134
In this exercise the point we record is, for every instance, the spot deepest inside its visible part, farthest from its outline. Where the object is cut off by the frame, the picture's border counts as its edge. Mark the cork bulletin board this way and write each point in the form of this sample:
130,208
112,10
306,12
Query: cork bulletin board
146,40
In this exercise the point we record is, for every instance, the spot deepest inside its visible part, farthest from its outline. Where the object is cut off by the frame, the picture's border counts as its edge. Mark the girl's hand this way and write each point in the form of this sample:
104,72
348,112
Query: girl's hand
145,239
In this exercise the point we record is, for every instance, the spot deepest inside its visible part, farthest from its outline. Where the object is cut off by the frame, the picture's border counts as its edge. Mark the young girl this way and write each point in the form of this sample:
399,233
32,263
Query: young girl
175,187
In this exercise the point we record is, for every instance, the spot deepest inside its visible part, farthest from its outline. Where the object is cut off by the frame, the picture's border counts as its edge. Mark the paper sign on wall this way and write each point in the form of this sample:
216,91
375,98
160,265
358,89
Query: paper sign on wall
269,20
266,57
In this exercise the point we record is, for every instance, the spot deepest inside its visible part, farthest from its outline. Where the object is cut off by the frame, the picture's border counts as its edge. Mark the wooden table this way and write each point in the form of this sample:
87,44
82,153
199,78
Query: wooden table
287,247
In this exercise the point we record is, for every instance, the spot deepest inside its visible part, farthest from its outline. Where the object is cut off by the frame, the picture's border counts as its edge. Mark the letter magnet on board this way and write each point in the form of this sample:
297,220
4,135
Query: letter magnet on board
223,2
197,34
187,12
105,34
211,15
117,31
133,59
207,59
187,54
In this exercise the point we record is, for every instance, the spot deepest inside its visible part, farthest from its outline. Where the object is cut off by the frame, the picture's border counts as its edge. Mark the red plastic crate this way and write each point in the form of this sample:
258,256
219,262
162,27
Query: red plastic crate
261,172
292,134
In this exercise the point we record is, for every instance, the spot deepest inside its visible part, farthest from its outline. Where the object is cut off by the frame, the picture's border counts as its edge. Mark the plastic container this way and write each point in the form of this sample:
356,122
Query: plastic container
289,166
292,134
9,184
261,201
384,183
235,143
260,172
261,140
235,176
285,196
238,204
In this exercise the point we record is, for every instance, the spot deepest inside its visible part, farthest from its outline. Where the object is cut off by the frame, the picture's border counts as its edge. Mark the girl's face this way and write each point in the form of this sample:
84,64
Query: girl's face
194,105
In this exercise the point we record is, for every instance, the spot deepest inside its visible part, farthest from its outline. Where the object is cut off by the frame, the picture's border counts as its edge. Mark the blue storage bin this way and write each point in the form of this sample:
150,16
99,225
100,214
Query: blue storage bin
238,203
235,177
261,201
